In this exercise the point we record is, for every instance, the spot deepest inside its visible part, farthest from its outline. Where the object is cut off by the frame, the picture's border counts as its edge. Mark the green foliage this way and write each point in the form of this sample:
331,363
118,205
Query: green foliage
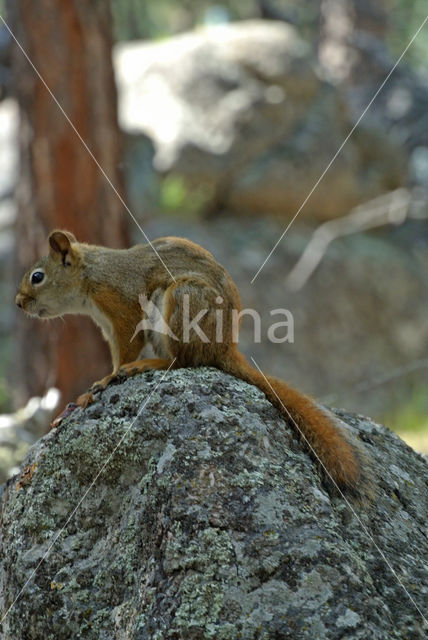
173,193
139,20
4,396
177,196
412,413
152,19
410,419
406,16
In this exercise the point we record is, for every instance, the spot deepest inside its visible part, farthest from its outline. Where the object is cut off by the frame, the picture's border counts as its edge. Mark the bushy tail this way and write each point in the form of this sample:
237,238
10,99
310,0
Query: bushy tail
338,458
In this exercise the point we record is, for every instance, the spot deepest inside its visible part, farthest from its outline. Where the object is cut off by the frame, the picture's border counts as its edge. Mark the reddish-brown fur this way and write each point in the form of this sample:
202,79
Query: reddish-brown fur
106,285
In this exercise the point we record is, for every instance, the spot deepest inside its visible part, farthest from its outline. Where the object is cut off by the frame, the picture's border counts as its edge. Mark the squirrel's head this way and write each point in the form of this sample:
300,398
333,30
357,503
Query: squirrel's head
51,287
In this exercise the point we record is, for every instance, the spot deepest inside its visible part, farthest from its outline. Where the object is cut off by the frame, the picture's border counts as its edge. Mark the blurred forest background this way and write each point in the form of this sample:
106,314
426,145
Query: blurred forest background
215,121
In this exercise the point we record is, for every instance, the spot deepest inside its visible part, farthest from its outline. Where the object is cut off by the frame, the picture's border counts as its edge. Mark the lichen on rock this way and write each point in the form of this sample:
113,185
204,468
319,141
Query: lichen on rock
208,520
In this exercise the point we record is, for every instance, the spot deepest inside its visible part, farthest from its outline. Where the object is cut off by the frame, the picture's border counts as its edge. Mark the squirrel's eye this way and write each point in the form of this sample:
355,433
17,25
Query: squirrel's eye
37,277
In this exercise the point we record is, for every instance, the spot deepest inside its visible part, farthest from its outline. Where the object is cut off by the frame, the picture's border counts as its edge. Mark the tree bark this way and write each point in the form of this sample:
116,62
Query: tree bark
69,42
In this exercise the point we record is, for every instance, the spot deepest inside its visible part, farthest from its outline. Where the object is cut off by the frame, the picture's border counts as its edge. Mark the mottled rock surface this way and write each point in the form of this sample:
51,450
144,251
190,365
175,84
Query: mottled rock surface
208,520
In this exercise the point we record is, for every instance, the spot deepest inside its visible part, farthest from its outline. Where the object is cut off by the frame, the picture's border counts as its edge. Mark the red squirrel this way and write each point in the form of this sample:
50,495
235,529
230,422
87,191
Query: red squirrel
106,284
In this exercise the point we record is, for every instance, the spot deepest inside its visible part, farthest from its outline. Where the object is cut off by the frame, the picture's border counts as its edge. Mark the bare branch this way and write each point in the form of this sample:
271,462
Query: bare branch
390,208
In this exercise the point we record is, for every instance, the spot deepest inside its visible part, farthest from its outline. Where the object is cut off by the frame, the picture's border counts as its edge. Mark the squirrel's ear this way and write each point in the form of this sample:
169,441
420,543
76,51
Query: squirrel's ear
60,245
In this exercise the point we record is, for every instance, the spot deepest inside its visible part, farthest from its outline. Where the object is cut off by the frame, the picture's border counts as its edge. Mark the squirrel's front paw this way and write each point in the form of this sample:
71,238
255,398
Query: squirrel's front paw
64,414
85,399
100,385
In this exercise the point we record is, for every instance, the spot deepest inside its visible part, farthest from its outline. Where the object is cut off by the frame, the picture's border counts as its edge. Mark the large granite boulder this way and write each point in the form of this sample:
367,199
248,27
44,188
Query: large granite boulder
181,506
240,114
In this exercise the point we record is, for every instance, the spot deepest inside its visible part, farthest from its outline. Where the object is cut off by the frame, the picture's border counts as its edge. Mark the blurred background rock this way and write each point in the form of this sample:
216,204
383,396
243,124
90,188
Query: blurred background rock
229,114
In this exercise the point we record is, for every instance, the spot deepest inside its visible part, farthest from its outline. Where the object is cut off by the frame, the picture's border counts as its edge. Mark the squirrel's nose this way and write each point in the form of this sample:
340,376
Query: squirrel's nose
18,300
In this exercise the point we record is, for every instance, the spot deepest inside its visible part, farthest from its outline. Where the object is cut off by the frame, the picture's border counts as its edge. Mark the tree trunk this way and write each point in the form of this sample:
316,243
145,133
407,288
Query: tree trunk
60,185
